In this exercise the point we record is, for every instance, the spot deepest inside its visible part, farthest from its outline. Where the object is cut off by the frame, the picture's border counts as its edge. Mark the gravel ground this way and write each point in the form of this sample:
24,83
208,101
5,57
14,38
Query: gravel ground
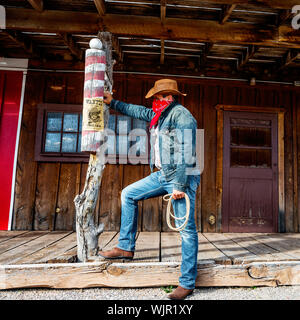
231,293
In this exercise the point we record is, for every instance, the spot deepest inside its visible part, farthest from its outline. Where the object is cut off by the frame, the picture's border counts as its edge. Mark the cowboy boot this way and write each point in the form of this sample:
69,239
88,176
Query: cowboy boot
117,253
180,293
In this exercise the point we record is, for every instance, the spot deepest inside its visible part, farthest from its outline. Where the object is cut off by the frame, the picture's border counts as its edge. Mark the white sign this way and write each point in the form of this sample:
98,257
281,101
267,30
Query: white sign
2,18
296,18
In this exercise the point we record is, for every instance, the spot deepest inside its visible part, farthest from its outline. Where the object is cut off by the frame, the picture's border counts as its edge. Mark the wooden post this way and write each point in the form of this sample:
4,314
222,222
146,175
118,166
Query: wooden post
98,71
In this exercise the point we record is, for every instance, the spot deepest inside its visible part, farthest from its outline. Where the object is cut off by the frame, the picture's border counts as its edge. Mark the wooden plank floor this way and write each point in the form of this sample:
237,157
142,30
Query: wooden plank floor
33,247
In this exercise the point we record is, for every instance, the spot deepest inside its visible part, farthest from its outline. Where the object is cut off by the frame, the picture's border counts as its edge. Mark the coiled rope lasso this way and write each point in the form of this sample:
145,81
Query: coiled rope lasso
169,214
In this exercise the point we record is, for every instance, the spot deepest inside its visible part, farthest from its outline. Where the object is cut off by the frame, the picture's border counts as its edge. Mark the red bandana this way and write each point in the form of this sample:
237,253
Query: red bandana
158,106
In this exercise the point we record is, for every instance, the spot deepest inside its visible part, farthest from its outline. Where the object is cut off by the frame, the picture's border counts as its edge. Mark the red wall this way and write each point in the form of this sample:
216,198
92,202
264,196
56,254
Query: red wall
10,94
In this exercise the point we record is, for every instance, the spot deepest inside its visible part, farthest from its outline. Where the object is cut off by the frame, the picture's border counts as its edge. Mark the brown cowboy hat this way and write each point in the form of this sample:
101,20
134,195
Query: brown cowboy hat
164,86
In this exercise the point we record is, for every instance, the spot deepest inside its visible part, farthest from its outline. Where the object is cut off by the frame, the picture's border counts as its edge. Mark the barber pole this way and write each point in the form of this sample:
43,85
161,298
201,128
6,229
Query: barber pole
93,106
98,77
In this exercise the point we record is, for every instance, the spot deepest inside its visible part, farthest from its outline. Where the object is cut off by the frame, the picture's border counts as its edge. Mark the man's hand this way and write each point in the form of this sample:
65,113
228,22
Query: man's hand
177,194
107,97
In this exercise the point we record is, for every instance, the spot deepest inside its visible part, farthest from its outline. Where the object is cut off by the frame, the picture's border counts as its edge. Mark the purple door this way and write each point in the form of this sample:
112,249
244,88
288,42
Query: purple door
250,172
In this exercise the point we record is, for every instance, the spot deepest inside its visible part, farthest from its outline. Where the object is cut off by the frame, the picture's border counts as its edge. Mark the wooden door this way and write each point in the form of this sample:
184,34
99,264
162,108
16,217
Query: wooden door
10,94
250,172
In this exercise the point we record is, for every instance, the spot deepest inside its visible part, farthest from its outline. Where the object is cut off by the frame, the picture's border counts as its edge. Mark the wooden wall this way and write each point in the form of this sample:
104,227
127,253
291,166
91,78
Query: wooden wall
42,188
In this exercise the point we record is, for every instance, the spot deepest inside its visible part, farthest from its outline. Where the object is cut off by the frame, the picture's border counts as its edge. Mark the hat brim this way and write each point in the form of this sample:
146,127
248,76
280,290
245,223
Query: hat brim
152,92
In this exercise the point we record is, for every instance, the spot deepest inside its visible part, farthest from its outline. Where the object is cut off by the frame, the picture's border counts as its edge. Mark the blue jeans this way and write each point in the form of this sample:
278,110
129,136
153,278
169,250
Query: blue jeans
155,185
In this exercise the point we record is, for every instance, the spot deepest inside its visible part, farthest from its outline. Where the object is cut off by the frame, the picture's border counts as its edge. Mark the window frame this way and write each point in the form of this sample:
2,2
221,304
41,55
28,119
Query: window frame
42,156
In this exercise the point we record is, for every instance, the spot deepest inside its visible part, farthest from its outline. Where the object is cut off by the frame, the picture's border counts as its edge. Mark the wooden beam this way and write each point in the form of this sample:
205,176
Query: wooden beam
23,42
118,49
146,26
275,4
208,47
100,5
71,44
147,274
38,5
283,16
288,58
251,50
226,12
162,51
163,9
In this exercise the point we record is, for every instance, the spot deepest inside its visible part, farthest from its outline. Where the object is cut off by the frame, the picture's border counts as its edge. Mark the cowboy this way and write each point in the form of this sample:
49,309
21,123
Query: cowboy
174,157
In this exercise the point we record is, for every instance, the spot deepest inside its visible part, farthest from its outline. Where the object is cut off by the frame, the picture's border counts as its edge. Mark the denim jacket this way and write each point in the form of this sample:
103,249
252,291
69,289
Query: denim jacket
177,140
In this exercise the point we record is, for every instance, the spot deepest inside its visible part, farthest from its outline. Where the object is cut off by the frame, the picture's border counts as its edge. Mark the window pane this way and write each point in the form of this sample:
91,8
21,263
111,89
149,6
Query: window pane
80,123
52,143
257,137
79,143
54,120
110,145
69,142
251,122
123,124
70,122
250,158
122,145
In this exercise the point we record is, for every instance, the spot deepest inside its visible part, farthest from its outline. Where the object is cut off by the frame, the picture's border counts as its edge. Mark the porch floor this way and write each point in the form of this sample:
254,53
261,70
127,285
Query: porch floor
31,247
28,258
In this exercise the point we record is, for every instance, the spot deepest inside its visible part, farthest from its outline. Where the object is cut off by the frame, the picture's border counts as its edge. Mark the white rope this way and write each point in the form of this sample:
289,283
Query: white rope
169,214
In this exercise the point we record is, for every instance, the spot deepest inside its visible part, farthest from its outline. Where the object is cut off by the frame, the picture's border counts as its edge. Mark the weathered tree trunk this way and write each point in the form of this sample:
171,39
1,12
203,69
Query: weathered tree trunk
98,77
85,203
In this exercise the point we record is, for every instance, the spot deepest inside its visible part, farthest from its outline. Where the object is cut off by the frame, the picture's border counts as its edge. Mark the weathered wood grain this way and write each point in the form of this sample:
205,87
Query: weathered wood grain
19,240
211,96
63,244
260,249
46,195
13,255
207,251
68,188
235,252
126,275
147,247
170,244
7,235
26,166
147,26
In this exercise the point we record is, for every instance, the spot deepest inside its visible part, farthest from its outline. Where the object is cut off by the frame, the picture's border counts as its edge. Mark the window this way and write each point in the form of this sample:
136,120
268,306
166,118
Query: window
58,136
127,139
250,144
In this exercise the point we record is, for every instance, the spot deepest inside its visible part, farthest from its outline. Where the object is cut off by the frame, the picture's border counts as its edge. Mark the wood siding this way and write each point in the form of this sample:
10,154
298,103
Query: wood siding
45,191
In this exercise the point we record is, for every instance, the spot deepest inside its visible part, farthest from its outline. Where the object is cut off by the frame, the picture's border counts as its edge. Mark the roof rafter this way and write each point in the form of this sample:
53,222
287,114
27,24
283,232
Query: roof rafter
251,50
71,44
162,51
38,5
147,26
163,9
283,16
226,12
118,49
276,4
23,42
288,58
208,47
100,5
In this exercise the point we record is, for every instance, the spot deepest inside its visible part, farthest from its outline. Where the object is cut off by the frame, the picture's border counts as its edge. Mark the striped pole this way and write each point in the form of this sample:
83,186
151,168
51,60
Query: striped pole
93,122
